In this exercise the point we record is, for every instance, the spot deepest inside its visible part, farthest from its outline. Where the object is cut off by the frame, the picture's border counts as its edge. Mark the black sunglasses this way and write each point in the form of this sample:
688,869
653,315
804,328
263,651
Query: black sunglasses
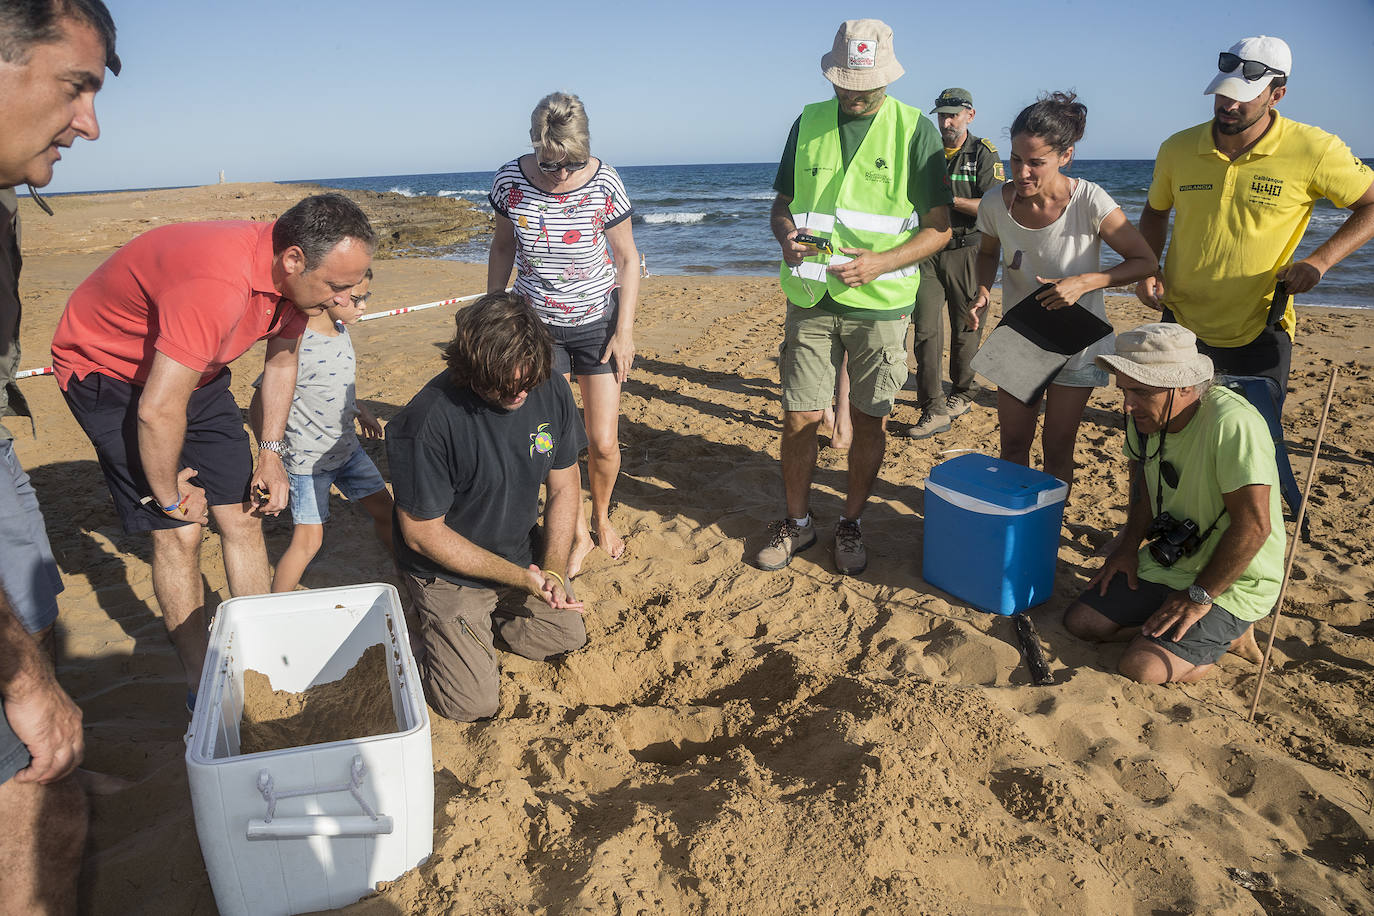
552,167
1250,69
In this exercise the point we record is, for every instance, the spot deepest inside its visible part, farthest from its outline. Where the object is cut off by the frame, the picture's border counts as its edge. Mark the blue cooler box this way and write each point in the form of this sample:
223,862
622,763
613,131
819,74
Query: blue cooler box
992,532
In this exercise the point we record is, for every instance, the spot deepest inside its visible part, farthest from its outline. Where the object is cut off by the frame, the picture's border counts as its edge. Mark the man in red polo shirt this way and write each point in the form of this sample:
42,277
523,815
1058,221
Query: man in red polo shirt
141,355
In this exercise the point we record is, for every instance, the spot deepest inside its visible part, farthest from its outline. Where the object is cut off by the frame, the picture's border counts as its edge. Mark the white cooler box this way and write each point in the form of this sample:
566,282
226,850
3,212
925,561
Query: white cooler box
312,827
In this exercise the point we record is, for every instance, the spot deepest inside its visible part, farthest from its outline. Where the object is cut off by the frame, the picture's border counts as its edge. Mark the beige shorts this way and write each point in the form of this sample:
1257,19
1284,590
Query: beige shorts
814,344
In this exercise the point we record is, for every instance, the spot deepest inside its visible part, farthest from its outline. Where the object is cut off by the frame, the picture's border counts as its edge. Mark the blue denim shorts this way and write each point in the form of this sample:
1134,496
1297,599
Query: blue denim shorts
1089,376
14,756
356,478
29,572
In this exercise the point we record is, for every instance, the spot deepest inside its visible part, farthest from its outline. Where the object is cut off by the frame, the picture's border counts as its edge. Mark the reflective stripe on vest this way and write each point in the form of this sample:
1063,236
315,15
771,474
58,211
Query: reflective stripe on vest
863,206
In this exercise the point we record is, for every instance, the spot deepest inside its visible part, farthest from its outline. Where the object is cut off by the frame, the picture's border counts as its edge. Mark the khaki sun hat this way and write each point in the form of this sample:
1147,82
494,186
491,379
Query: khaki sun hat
862,57
1160,355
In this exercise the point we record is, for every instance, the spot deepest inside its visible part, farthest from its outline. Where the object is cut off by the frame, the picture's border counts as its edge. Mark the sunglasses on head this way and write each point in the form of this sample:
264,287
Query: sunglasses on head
555,166
1250,69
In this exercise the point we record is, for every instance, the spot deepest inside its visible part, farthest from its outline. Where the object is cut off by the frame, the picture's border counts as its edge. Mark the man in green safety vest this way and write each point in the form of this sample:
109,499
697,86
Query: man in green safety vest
863,196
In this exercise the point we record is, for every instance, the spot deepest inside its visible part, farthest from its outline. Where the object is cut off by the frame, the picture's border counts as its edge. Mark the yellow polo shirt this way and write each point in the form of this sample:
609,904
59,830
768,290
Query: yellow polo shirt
1236,223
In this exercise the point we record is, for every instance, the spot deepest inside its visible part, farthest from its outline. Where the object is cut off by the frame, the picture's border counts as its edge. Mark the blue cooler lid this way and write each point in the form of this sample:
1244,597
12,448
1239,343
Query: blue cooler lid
993,480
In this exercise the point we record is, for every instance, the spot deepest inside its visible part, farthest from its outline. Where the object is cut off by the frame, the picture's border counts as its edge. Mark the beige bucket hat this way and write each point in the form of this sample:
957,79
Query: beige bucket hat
1160,355
862,57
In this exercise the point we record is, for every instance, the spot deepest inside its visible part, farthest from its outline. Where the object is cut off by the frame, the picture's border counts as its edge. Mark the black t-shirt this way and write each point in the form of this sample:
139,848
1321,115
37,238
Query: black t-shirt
454,455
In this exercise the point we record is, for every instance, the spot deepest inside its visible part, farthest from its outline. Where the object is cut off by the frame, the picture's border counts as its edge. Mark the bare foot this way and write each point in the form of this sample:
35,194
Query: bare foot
582,545
608,539
1246,647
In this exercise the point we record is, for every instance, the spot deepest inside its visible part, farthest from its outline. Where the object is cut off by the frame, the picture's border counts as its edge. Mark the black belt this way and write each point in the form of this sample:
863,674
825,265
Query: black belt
964,241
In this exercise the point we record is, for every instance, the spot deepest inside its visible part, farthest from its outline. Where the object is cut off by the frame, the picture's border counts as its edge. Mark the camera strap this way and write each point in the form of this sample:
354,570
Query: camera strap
1145,456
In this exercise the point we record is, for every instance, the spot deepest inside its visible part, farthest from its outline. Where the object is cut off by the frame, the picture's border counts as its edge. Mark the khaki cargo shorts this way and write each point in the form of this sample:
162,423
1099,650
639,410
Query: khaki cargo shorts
815,342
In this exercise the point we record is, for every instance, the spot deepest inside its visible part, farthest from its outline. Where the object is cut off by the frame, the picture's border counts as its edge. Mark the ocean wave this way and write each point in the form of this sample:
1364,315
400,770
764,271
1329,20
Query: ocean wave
463,193
675,217
687,197
404,192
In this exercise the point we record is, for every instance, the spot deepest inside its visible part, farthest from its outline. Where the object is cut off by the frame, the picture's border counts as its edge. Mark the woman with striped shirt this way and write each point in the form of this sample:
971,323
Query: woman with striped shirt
563,224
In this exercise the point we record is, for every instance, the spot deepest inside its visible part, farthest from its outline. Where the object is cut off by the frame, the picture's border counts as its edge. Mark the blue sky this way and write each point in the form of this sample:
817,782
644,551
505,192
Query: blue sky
313,89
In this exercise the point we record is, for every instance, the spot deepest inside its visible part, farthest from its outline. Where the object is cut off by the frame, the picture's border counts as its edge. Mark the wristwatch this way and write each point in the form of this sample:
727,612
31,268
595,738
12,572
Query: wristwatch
1198,595
273,445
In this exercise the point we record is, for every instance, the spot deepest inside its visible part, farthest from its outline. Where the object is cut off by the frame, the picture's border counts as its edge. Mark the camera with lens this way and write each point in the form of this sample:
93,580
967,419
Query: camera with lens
1171,538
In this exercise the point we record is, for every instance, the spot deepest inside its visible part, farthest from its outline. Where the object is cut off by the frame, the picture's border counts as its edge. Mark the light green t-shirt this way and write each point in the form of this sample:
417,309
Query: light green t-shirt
1225,446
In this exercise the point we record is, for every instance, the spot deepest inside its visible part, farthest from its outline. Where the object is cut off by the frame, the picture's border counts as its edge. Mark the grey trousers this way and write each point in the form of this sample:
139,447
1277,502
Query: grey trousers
949,281
457,651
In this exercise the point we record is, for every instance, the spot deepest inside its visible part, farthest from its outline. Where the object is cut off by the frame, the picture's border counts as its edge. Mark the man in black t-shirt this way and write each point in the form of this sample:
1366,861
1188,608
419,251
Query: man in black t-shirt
468,455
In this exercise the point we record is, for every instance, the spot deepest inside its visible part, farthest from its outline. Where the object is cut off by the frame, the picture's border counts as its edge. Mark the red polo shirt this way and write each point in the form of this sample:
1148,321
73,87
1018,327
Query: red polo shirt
200,293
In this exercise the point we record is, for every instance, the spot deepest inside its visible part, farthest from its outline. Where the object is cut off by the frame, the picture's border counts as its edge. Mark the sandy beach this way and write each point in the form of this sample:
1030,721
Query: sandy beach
735,741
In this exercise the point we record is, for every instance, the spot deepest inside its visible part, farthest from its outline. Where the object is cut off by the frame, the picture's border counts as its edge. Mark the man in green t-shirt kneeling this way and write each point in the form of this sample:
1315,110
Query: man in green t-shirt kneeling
1201,556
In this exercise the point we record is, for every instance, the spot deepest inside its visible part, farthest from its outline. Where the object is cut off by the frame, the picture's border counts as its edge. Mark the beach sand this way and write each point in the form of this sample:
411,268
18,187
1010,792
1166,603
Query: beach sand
735,741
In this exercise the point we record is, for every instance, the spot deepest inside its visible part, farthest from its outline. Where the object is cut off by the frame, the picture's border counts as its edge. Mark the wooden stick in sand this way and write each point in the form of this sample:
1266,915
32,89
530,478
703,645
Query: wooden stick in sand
1293,545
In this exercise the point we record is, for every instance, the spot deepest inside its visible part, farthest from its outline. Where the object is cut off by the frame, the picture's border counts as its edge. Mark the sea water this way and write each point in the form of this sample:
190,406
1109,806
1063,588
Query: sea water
713,219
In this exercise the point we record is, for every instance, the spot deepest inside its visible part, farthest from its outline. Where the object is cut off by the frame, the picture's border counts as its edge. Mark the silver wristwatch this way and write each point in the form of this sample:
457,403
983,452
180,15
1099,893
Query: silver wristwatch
273,445
1198,595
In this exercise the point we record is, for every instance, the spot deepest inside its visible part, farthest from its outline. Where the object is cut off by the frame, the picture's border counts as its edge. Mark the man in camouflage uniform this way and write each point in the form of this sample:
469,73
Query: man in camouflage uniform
948,278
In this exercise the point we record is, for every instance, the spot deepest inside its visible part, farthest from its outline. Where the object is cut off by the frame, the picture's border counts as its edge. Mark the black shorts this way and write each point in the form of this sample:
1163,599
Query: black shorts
579,349
216,444
1204,643
1269,356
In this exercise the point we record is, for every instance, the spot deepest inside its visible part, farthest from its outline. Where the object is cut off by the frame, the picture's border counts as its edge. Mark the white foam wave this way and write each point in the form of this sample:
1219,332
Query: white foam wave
463,193
404,192
674,217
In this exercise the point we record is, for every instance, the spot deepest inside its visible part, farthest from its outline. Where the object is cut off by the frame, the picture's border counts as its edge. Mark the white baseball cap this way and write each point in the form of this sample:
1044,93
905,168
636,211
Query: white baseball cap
1262,52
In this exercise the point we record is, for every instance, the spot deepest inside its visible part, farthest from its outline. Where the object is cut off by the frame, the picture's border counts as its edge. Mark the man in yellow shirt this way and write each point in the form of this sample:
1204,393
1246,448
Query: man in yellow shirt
1242,187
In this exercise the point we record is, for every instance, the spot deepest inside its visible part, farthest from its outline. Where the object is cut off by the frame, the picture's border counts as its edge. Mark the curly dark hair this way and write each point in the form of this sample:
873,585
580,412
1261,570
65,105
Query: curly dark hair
499,347
1058,118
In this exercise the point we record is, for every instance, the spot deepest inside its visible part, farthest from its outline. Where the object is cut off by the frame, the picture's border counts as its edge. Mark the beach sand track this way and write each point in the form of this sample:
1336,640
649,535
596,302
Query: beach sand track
733,741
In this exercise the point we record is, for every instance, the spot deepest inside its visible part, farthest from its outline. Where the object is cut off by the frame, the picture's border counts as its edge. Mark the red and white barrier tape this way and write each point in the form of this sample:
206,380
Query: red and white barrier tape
47,370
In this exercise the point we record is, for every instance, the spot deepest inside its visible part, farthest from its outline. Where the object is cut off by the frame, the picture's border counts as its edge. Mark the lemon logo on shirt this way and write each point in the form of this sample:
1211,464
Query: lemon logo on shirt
541,440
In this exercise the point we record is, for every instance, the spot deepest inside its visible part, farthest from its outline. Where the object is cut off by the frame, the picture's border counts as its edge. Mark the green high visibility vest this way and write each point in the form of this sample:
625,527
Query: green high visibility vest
862,206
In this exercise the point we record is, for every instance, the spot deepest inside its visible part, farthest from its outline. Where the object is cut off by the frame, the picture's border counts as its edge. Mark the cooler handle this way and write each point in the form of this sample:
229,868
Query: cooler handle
317,825
982,507
297,828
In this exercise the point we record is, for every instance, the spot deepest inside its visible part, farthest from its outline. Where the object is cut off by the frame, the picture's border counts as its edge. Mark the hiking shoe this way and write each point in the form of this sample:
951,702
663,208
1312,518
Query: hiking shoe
850,556
786,539
928,425
956,405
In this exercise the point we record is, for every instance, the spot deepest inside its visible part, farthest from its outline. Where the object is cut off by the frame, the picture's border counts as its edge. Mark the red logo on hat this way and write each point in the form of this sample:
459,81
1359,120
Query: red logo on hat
863,46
